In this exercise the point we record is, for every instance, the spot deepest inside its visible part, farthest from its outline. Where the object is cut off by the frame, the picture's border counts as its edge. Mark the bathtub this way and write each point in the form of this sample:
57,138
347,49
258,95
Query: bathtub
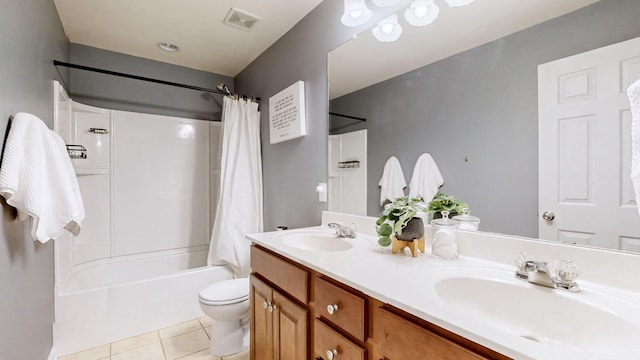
139,262
113,299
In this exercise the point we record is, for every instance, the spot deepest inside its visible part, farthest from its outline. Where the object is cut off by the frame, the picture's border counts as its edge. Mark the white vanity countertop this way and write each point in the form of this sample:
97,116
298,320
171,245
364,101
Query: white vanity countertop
409,284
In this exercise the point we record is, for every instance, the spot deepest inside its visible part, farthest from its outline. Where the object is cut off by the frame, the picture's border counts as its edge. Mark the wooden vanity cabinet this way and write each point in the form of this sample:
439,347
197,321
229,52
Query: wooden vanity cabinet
348,310
326,339
340,321
279,324
290,320
398,339
399,335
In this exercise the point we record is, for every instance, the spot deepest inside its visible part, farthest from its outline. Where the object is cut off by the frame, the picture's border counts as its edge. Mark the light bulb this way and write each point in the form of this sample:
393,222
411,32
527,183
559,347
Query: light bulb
355,13
422,12
388,29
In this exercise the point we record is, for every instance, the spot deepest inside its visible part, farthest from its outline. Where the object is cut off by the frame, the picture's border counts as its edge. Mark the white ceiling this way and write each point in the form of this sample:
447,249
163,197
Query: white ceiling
135,27
364,61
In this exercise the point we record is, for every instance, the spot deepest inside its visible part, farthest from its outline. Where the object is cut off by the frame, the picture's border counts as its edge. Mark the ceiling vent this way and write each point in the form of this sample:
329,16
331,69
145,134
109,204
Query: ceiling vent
241,19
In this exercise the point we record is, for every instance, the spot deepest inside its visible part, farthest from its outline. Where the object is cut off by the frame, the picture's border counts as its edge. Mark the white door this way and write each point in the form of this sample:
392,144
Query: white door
584,148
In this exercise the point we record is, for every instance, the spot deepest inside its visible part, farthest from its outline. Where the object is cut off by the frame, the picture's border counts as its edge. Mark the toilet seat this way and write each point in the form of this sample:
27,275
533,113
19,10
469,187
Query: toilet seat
226,292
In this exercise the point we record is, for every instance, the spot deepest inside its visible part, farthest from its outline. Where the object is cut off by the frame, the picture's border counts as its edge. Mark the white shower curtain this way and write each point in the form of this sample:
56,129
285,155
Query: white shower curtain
239,210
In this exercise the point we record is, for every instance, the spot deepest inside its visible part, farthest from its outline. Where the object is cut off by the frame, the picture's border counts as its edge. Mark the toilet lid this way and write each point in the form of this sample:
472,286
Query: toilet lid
226,292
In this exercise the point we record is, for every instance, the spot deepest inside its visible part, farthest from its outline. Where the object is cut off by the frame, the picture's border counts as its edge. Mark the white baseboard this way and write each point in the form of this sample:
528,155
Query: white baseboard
52,354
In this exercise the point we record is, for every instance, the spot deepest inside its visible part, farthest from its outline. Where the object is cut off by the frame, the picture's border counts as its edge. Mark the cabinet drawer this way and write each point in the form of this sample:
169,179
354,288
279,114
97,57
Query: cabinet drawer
326,339
400,339
289,277
350,315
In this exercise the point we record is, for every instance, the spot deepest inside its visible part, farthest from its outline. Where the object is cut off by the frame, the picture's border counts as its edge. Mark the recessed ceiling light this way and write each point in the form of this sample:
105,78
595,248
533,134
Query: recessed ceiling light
168,47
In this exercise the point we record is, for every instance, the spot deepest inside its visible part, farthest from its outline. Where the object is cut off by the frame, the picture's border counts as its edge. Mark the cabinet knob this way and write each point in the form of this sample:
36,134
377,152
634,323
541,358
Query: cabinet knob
272,307
265,304
332,354
331,309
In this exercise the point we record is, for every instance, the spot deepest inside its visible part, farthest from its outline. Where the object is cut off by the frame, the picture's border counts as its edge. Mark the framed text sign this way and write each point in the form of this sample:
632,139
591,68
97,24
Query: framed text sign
286,114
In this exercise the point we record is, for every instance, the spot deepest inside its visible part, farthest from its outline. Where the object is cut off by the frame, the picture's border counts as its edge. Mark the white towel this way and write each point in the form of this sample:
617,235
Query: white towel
37,178
426,179
392,181
633,92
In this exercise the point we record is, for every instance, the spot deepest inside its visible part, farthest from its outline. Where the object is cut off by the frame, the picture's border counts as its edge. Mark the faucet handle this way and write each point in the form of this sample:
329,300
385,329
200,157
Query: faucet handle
350,227
524,262
567,271
523,265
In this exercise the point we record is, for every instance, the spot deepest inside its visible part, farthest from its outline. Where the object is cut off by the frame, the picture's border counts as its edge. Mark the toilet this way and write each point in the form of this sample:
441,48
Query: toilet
227,304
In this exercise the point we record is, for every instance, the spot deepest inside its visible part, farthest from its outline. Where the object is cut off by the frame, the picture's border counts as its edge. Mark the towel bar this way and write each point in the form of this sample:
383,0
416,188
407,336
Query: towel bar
98,131
349,164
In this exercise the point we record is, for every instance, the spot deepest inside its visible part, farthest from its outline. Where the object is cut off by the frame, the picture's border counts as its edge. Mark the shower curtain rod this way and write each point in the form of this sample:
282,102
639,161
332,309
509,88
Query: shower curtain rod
348,116
142,78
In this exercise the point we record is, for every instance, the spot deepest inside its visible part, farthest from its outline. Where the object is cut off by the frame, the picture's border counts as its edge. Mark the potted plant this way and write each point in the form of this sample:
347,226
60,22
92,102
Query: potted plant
442,202
399,219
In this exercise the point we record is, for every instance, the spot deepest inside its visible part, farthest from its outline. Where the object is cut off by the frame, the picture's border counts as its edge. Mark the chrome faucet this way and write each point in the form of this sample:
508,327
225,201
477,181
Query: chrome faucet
537,272
344,230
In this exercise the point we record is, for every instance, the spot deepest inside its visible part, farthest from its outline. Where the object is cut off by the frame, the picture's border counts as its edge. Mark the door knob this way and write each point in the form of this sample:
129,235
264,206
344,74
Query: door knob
548,216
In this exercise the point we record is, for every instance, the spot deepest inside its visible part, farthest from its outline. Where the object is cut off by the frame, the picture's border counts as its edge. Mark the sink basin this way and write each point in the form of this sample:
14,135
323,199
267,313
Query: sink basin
586,321
314,240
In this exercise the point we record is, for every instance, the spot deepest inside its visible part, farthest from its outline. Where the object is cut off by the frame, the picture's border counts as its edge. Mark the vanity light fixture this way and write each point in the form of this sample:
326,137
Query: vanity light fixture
388,30
455,3
385,3
168,47
356,13
421,13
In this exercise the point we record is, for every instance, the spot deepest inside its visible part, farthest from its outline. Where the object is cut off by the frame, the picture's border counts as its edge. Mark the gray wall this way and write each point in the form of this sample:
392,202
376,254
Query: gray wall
293,169
139,96
31,37
480,104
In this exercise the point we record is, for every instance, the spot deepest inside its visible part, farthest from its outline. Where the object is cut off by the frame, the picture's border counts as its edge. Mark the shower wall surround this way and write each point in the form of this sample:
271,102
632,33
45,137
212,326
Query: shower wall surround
148,185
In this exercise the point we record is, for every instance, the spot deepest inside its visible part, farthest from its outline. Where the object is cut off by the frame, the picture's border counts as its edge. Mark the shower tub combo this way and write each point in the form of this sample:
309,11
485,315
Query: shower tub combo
149,185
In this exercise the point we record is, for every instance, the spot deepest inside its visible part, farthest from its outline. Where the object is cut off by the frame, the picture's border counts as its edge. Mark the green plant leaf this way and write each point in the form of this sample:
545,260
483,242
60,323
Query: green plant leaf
384,241
385,230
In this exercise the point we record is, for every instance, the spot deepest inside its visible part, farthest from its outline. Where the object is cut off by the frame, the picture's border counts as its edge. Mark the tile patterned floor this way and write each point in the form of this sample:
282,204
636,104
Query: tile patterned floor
186,341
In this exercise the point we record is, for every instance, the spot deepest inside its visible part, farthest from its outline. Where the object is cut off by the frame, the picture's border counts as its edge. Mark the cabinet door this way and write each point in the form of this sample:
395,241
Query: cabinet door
261,321
350,312
327,340
291,322
400,339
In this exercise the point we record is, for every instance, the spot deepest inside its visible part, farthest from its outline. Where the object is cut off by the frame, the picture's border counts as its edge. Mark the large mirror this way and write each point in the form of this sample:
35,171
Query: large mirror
465,90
